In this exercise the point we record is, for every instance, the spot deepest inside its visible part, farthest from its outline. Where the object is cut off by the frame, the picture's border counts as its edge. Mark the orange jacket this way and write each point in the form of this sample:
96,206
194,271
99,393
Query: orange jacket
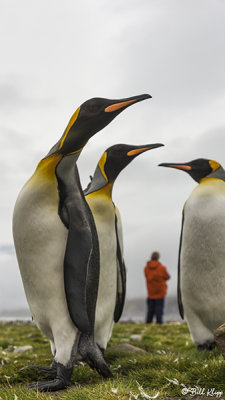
156,276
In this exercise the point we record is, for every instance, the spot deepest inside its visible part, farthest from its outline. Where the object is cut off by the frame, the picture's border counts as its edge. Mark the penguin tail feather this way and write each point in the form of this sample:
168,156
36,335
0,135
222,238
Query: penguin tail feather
92,354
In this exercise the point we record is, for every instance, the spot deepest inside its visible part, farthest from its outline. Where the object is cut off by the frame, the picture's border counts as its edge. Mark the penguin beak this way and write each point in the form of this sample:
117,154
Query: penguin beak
142,149
183,167
117,105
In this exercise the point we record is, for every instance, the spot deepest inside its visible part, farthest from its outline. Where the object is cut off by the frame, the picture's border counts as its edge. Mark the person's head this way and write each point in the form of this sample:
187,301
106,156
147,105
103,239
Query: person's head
155,255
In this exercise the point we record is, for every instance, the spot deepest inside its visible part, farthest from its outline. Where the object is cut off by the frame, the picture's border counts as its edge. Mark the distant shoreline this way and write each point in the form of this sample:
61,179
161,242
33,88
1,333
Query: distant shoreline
134,310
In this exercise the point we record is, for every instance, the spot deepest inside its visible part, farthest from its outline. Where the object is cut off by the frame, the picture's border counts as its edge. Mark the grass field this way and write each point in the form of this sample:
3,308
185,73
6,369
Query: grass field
171,364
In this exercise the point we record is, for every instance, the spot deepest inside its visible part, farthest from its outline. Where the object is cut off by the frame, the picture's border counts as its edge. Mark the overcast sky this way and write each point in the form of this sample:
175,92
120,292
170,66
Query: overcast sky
57,54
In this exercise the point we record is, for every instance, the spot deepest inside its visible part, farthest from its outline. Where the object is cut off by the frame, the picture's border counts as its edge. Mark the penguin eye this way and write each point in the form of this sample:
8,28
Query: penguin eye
118,154
93,108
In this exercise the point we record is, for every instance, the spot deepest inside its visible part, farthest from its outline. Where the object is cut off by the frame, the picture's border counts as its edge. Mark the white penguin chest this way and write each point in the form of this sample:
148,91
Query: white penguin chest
40,240
103,212
202,258
36,216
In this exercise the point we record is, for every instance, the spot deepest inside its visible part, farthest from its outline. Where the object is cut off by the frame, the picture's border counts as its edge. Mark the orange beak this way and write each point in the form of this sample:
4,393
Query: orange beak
178,166
123,103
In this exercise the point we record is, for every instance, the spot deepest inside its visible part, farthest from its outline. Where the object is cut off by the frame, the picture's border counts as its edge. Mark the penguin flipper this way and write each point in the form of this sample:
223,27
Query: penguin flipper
121,275
73,213
179,298
76,260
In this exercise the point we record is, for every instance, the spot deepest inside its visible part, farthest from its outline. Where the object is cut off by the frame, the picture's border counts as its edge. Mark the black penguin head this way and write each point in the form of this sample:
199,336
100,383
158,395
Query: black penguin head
91,117
197,169
117,157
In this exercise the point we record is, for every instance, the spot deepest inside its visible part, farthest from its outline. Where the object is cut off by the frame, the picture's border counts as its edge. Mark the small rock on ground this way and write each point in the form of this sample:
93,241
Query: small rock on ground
22,349
126,347
136,338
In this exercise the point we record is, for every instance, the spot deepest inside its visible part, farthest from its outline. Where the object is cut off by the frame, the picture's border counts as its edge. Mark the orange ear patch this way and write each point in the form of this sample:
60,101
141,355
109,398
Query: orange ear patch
101,165
214,165
115,107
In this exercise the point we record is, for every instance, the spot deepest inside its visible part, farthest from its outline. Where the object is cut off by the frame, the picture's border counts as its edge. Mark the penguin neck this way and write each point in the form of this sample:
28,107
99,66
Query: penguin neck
99,184
46,167
218,174
105,191
45,170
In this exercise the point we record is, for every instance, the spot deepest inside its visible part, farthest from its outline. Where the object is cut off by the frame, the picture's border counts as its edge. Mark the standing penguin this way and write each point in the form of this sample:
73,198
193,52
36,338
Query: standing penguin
201,266
112,281
57,246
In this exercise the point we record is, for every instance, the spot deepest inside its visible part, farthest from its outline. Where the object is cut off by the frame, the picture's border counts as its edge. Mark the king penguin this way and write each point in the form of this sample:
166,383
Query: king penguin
57,246
112,281
201,265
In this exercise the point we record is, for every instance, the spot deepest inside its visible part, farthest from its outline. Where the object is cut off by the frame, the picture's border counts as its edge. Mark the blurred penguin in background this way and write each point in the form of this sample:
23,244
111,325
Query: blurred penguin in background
201,264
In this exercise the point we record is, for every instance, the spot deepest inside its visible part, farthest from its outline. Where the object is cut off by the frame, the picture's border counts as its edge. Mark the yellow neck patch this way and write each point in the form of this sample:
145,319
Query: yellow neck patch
208,179
214,165
101,165
105,191
70,124
46,167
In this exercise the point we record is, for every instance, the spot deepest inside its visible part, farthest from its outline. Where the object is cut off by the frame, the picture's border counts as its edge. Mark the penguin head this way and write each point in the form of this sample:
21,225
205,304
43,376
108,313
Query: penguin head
117,157
89,118
197,169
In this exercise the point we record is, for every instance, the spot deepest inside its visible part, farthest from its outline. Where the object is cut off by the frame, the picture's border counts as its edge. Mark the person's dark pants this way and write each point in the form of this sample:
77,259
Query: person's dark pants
155,307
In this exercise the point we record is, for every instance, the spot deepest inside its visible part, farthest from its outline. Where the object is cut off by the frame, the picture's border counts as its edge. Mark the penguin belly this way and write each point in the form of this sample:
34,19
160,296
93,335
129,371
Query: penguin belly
40,241
103,212
202,263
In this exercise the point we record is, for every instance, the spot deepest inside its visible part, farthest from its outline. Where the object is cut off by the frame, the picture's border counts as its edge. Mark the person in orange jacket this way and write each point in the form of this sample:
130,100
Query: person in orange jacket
156,276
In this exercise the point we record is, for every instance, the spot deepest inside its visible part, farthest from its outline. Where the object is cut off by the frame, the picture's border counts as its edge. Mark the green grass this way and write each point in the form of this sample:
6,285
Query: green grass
170,354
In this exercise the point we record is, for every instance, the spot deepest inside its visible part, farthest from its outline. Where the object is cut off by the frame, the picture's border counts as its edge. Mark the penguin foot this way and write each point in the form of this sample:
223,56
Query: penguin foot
49,386
102,350
51,372
61,381
206,346
91,353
